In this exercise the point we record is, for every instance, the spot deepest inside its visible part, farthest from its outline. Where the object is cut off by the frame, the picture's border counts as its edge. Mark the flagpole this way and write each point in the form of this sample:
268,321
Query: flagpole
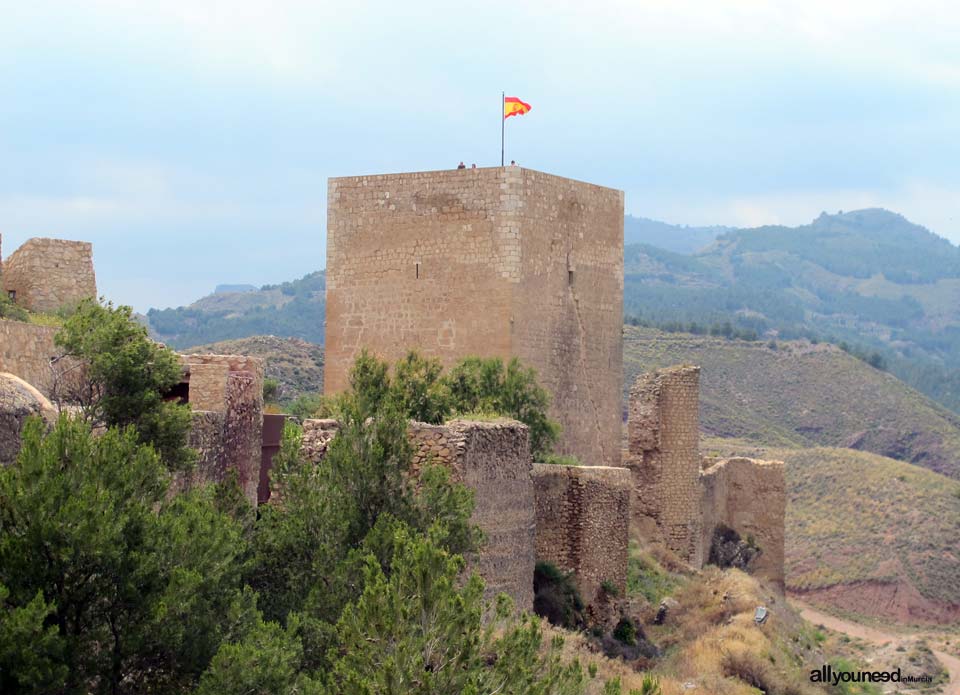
502,123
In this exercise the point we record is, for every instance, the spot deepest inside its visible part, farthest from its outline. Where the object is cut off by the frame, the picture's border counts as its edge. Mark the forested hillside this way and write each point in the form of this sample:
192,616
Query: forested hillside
290,310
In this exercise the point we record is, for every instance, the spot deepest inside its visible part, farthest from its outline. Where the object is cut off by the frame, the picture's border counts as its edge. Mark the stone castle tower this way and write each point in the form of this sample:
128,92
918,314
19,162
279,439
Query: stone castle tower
500,261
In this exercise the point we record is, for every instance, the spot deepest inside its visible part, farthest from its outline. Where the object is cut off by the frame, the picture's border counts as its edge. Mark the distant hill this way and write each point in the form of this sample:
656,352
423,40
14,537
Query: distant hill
296,364
868,534
869,277
670,237
220,289
803,395
290,310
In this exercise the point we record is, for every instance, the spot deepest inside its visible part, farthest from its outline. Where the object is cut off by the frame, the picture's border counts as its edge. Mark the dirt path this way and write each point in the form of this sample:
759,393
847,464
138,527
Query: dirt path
877,636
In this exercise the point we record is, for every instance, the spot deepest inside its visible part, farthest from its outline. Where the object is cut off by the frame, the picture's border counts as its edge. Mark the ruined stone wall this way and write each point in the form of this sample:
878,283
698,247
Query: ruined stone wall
582,519
491,262
492,458
317,435
663,439
231,387
748,496
46,274
26,350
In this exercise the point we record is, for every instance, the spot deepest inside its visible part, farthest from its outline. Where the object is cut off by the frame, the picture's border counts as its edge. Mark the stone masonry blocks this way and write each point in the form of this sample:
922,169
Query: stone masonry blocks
26,350
493,459
46,274
583,515
663,438
496,262
230,387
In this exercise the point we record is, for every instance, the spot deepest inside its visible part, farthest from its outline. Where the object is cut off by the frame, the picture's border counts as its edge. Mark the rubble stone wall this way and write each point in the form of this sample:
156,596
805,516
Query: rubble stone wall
26,350
46,274
582,520
230,386
663,439
493,459
495,262
748,496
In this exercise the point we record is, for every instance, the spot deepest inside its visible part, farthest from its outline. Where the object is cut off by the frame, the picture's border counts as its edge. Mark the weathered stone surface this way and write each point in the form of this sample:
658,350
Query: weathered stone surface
18,401
582,520
317,435
230,387
664,457
748,496
26,350
492,458
492,262
46,274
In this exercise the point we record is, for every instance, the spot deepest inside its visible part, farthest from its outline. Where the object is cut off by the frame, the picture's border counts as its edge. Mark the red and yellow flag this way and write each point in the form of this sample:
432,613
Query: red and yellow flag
512,106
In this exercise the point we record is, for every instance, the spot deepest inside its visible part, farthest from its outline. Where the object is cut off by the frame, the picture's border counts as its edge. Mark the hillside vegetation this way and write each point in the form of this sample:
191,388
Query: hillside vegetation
290,310
869,277
794,393
295,364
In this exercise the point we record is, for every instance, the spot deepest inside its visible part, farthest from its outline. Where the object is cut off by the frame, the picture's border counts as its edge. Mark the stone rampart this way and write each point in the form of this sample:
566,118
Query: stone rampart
582,519
46,274
230,389
664,458
748,496
492,458
26,350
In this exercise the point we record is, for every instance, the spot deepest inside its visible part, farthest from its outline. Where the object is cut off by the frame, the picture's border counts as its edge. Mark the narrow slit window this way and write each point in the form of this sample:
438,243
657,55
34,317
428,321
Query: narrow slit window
418,271
569,277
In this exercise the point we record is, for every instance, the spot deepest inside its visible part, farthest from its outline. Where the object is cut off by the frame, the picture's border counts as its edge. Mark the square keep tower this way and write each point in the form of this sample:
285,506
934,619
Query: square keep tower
503,261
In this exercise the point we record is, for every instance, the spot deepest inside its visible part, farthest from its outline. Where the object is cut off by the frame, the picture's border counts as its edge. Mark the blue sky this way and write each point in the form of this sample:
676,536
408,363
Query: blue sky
191,141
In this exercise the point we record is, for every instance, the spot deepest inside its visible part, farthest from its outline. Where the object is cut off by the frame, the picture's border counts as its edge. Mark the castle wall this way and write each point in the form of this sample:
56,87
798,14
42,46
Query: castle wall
492,458
46,274
25,350
492,262
748,496
582,521
230,389
663,437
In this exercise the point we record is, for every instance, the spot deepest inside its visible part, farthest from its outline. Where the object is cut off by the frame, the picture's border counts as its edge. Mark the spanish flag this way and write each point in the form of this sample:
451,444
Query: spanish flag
512,106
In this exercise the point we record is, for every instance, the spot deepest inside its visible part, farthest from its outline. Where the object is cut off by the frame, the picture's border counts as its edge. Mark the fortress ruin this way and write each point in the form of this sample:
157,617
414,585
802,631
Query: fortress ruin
495,262
46,274
681,499
504,262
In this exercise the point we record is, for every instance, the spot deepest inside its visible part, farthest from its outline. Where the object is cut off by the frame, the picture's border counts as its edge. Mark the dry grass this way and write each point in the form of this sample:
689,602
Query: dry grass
711,645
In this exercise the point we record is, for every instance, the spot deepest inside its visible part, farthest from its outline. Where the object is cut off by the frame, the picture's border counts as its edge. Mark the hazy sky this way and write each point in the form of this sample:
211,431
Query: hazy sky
191,140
